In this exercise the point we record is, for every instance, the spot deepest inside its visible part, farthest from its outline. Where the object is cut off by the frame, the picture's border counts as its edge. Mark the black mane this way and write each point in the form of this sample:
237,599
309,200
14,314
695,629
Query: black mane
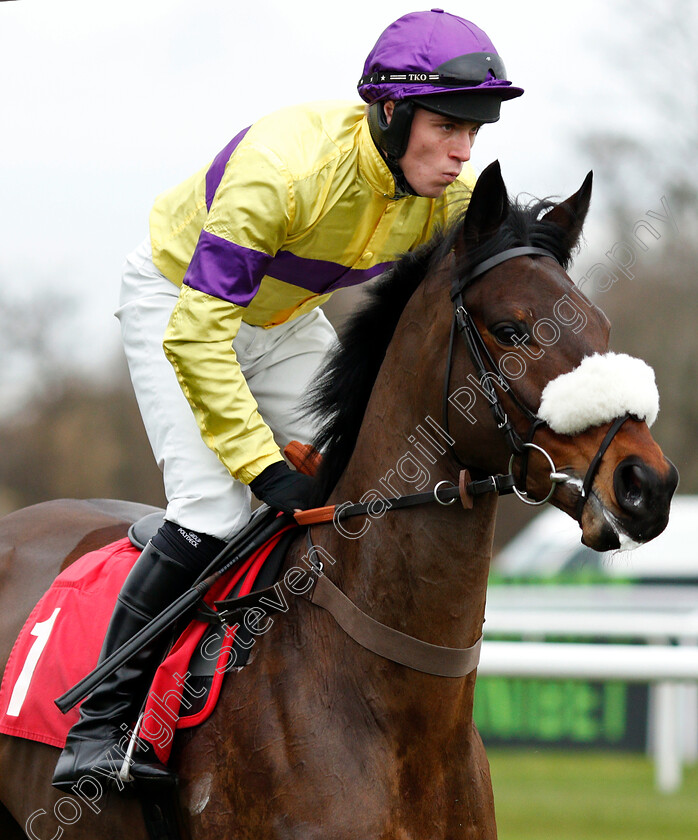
339,398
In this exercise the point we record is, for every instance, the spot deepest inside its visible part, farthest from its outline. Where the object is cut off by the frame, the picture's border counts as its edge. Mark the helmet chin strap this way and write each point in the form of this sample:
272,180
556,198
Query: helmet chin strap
403,188
391,138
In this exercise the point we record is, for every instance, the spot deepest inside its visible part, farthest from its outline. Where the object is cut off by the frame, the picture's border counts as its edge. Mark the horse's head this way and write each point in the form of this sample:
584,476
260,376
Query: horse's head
542,348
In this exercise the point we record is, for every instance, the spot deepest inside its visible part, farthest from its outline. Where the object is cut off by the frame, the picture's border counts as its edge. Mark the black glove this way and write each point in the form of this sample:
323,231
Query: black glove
283,489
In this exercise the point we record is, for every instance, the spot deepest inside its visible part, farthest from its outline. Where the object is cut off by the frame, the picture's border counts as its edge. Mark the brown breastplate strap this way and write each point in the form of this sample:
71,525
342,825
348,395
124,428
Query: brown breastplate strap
390,643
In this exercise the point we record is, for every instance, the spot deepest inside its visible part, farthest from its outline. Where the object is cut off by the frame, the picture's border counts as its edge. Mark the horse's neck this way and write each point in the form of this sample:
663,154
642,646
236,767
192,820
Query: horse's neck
422,570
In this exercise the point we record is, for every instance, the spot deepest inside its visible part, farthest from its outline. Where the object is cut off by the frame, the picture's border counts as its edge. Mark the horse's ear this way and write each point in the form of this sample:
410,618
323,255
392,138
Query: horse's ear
488,208
571,213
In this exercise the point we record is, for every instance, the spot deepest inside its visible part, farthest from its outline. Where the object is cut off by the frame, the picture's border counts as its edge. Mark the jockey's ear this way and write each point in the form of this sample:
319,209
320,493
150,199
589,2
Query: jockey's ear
488,208
571,213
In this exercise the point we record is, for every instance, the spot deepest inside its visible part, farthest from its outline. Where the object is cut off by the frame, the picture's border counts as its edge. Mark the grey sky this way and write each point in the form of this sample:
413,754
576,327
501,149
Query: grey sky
104,106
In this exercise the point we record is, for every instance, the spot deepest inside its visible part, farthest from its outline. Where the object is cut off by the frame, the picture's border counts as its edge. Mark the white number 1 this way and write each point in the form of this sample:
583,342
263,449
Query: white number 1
42,630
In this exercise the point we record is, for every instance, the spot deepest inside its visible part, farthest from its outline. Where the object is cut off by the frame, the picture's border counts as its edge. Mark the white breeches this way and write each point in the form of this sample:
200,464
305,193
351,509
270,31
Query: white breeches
278,365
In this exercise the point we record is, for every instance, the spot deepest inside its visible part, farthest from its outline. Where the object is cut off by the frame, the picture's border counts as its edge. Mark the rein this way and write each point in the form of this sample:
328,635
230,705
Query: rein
444,493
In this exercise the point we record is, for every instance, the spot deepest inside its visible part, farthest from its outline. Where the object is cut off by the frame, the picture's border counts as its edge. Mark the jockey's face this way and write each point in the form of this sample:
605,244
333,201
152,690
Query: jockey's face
436,151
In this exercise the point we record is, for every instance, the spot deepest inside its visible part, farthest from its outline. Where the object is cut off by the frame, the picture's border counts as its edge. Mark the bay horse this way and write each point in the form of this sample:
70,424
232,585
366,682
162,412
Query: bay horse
318,737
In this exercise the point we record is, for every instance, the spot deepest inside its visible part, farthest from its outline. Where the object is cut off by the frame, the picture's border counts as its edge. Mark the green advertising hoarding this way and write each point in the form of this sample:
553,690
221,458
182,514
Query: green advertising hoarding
561,713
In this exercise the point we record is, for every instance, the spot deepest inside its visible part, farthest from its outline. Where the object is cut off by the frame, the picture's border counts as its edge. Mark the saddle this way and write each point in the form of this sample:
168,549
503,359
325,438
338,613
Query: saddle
45,662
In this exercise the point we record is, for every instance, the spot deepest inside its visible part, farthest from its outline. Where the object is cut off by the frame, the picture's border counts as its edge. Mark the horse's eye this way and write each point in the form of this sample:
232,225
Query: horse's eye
510,334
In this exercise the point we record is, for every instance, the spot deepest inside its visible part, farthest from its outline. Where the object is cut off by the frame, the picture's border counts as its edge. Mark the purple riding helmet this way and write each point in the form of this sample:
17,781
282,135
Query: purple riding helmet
438,61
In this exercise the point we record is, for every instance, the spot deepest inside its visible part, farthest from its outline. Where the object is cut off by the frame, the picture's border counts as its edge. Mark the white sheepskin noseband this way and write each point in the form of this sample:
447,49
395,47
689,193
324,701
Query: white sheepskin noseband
597,391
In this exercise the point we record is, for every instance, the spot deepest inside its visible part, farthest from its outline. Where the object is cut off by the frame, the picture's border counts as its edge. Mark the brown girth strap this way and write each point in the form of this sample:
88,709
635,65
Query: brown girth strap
389,643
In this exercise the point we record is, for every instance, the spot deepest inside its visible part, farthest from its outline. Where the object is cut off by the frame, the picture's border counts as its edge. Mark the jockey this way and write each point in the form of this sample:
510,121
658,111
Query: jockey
239,258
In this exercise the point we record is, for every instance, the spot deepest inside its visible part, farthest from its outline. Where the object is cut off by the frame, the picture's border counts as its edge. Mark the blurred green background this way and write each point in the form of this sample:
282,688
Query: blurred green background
588,796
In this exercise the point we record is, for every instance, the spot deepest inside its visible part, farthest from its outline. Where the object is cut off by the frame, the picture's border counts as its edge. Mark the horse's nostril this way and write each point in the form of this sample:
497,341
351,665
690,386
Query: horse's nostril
643,494
633,482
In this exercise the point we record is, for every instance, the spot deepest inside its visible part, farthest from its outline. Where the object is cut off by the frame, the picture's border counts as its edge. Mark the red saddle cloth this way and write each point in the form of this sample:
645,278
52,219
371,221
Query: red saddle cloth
62,638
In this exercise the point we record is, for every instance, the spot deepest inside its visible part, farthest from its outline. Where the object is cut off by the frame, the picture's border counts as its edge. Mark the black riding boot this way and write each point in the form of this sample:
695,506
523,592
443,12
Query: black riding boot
153,583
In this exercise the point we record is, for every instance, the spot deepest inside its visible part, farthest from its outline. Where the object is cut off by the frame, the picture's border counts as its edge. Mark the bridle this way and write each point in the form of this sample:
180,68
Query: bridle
445,493
485,368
